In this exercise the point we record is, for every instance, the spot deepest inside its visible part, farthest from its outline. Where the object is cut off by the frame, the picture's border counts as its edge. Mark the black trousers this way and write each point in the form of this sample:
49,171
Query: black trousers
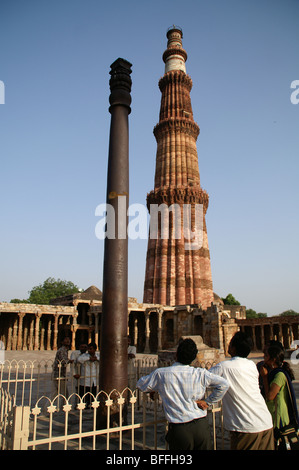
194,435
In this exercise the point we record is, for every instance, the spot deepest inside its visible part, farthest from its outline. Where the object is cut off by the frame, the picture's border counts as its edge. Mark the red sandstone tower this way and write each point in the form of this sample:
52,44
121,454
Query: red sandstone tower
176,275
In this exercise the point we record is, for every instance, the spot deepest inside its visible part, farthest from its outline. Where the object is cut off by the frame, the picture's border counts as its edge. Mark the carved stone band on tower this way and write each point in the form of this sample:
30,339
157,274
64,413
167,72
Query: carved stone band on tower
176,275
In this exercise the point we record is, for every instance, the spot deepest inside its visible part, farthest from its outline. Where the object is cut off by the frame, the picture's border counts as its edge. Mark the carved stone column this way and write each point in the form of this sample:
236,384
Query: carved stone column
14,334
254,338
262,337
135,331
74,329
89,314
25,338
147,331
271,331
280,334
49,334
20,331
55,335
291,334
31,334
42,338
9,339
96,328
160,316
36,331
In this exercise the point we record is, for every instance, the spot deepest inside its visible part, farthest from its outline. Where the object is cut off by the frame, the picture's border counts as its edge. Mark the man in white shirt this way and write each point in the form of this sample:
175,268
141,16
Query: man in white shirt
75,354
89,372
181,386
245,413
74,361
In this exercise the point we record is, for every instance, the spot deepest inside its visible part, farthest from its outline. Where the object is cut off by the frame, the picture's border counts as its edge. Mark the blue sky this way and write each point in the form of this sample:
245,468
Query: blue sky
55,59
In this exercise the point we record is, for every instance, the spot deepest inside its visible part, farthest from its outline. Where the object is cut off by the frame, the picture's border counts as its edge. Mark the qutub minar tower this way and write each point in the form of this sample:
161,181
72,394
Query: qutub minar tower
176,275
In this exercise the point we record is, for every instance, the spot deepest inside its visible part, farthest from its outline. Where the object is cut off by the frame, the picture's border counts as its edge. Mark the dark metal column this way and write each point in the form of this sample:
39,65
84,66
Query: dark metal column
113,350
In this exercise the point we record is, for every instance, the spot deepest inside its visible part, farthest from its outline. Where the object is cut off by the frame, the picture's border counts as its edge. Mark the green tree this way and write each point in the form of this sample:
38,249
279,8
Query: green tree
51,288
230,300
288,312
19,301
250,313
262,315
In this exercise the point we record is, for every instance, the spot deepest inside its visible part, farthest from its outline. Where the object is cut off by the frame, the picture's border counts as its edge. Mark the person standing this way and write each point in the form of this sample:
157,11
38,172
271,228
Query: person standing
76,367
280,397
75,354
59,368
89,372
245,413
263,363
181,386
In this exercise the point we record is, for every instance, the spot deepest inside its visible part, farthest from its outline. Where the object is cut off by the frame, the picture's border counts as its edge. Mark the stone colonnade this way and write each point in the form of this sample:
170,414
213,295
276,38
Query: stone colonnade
155,328
283,329
151,327
87,330
34,327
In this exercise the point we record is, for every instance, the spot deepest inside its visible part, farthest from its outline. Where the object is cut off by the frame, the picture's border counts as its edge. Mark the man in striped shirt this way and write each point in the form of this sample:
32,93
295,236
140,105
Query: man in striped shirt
182,389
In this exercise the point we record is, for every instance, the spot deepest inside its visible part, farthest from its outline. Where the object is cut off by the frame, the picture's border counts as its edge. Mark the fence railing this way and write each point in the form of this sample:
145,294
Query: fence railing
34,416
27,381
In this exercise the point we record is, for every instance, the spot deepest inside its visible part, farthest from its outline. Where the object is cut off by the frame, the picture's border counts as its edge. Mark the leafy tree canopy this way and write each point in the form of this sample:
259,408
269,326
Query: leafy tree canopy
51,288
288,312
230,300
250,313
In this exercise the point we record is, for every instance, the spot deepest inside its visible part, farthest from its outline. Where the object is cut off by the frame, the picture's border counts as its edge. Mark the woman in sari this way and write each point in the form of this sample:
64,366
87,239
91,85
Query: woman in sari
279,393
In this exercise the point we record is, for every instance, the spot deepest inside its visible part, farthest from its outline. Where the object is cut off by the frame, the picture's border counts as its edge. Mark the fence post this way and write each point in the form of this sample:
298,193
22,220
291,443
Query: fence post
20,428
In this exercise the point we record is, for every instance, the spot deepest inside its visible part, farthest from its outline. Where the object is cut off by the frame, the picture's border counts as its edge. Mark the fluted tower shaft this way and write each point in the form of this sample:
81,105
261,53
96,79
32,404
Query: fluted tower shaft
176,274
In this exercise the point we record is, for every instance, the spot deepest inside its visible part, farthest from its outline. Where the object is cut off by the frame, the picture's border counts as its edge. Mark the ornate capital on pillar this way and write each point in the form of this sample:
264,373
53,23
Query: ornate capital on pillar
120,83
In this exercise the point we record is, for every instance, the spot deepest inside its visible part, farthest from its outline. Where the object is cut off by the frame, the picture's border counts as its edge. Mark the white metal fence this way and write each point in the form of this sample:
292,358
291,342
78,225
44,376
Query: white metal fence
34,416
27,381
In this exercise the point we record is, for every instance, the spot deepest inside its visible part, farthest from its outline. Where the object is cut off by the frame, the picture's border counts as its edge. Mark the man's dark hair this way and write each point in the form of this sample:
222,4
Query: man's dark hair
92,345
242,344
187,351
